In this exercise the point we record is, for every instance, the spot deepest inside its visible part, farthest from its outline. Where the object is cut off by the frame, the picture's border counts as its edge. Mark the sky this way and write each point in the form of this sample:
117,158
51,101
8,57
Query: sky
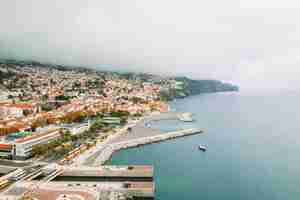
252,43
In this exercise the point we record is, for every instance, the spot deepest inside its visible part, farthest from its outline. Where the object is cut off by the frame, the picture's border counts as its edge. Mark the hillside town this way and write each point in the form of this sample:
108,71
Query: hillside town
59,122
40,104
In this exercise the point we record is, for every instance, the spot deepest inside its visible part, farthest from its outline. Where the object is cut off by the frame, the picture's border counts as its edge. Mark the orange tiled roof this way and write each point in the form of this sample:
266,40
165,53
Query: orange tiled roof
5,146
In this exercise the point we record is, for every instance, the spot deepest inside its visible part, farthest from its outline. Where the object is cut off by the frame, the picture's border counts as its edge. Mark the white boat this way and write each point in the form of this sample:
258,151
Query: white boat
202,147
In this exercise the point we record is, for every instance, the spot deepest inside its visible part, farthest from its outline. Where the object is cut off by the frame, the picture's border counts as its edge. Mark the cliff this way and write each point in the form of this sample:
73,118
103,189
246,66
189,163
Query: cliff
183,86
194,87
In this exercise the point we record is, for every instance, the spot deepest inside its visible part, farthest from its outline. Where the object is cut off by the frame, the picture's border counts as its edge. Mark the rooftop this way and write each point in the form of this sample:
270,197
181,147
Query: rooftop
81,190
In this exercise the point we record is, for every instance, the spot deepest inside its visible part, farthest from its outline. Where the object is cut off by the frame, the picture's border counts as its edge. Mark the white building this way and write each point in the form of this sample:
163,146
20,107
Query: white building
23,146
77,128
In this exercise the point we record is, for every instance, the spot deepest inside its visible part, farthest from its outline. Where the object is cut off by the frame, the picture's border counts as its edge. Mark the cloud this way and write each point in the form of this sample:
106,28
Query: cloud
252,43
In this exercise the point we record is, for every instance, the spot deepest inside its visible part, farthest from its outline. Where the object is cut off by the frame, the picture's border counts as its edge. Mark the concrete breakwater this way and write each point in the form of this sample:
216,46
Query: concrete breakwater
110,149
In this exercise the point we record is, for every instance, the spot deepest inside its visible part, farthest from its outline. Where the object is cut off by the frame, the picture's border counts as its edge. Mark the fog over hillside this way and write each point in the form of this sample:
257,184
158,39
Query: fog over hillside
254,44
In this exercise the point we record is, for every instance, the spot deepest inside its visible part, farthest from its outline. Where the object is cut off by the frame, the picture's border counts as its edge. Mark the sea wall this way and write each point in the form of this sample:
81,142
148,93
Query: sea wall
110,149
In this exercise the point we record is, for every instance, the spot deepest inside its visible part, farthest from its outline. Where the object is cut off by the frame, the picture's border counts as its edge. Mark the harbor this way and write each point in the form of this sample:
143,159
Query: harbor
140,133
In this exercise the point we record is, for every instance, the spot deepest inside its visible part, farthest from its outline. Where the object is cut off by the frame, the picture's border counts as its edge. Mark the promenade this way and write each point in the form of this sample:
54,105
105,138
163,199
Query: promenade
139,134
138,130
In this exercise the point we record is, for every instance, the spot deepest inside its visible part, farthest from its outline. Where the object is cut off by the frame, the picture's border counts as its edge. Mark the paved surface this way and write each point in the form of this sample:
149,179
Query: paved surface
139,130
110,171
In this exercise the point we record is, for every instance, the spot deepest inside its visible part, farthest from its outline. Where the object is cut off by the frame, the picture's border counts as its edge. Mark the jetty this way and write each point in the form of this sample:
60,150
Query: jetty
110,149
139,134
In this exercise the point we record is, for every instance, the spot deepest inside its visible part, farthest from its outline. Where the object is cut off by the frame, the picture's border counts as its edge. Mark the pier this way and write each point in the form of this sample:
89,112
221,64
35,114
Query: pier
110,149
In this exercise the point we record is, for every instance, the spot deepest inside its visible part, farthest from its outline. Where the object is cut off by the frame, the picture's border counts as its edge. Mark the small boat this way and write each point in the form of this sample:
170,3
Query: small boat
202,148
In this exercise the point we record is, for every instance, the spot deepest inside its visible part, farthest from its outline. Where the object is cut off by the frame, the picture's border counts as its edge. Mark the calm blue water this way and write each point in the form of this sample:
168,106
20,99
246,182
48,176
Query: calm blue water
253,150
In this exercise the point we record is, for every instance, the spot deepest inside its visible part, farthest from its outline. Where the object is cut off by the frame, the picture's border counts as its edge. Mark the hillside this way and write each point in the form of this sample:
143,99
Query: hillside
194,87
172,87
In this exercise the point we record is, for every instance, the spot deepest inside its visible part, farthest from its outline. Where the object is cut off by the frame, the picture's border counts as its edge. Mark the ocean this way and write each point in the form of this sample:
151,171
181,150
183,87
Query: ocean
253,149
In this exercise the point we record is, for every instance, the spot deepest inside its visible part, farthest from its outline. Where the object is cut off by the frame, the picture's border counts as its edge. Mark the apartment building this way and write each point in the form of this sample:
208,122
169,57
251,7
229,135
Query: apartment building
23,146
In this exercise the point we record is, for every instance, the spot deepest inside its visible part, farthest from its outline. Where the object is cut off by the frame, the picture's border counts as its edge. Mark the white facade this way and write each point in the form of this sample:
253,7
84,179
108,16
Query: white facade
23,148
78,128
